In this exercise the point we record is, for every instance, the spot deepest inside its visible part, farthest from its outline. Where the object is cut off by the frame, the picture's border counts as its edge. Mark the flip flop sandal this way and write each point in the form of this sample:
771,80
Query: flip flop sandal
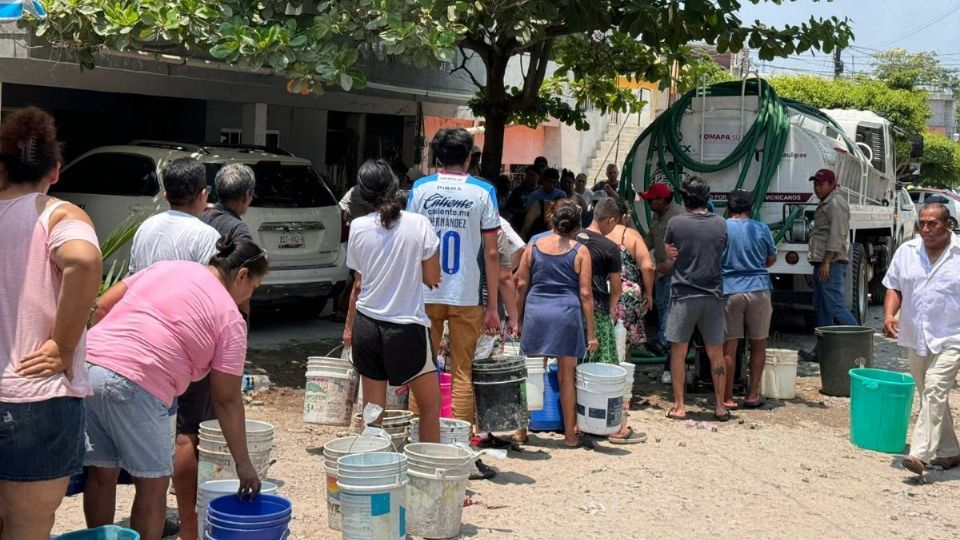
632,437
730,405
914,465
672,416
755,404
722,417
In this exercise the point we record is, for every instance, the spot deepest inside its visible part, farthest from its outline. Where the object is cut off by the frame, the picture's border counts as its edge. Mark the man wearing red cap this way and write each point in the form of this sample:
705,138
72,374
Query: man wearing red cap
829,245
660,199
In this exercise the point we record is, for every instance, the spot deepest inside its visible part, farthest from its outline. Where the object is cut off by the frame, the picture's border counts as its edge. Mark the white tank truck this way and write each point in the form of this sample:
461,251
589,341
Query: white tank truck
742,135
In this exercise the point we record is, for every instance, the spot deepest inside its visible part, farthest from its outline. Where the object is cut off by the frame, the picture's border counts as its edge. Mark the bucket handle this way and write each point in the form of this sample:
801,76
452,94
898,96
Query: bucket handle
871,385
860,362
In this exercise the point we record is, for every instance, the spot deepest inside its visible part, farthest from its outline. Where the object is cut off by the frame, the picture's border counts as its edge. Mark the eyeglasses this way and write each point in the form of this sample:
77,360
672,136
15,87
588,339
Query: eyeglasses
257,257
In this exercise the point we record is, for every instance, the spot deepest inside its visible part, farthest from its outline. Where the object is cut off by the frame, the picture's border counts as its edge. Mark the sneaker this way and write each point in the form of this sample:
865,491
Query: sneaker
483,472
666,378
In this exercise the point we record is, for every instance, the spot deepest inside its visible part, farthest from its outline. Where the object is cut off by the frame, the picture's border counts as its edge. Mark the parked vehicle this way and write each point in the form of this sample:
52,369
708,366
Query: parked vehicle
921,196
294,216
742,135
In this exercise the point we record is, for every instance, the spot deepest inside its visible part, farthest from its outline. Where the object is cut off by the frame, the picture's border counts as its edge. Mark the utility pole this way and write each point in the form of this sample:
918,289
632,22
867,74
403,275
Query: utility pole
837,63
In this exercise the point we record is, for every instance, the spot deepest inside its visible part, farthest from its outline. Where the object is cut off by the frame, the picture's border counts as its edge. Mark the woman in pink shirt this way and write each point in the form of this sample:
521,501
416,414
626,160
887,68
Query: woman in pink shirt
158,330
51,270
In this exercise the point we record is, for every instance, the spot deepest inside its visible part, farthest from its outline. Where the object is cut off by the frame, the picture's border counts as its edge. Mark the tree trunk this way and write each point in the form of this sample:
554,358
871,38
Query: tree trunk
494,130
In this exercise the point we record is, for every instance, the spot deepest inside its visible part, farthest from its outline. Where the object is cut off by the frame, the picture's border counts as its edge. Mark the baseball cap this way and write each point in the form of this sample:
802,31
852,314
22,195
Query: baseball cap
823,175
658,190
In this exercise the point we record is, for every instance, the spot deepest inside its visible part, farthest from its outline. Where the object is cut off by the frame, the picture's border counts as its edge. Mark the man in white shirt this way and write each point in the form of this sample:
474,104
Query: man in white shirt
179,235
923,283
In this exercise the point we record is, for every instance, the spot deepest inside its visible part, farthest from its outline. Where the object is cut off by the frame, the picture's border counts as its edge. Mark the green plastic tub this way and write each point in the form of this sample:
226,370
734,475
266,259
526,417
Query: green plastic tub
880,404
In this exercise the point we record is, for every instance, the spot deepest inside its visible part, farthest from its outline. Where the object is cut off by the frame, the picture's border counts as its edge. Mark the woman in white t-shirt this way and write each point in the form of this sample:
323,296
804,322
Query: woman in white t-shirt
392,252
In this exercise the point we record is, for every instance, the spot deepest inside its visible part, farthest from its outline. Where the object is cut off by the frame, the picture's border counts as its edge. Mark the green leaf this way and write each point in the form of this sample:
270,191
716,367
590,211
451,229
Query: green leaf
224,50
346,82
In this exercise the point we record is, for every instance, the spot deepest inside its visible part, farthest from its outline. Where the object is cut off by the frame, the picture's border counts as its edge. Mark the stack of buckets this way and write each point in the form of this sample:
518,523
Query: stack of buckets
373,495
264,518
600,390
333,451
438,475
216,463
331,386
451,431
395,422
211,489
446,395
627,383
498,386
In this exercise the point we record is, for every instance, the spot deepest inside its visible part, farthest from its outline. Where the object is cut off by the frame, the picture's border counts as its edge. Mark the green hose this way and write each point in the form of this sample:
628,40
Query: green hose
769,132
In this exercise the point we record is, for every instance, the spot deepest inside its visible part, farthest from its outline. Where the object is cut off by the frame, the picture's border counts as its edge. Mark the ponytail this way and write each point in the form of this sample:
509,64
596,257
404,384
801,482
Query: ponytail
377,185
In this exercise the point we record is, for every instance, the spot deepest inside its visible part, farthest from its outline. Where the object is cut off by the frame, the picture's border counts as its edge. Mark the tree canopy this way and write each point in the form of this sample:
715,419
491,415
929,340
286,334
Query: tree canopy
591,42
911,71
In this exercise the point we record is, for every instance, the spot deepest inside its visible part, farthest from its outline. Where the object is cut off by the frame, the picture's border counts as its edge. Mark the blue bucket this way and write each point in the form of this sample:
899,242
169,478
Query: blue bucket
550,417
107,532
264,518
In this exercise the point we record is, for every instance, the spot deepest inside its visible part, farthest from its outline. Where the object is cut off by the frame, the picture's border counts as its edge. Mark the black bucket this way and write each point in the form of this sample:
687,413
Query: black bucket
498,386
840,349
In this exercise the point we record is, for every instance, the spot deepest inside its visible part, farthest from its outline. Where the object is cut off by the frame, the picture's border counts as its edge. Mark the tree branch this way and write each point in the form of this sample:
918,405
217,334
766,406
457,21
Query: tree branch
539,59
463,67
482,48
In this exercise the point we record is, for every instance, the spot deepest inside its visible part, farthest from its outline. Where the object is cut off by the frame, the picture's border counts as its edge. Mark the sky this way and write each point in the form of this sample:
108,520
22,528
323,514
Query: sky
914,25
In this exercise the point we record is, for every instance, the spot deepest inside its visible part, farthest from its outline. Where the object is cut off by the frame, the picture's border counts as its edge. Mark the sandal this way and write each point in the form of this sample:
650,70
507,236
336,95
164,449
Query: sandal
753,403
632,437
725,417
672,416
730,405
914,465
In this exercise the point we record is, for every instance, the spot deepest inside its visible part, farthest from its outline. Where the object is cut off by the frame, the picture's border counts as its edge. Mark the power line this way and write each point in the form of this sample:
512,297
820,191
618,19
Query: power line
923,26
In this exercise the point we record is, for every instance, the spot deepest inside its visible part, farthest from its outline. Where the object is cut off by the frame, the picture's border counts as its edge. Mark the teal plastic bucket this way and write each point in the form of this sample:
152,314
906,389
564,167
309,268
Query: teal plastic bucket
880,405
107,532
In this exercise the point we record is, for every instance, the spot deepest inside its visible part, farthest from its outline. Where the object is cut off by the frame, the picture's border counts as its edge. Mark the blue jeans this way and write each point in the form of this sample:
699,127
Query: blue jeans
661,296
828,297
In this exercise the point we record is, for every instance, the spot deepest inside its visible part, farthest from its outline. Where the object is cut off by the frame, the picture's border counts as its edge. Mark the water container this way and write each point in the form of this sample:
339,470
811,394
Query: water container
880,405
264,518
498,385
373,496
620,338
107,532
331,386
779,380
438,475
535,383
216,462
207,491
452,431
334,450
446,395
840,349
599,398
550,418
628,383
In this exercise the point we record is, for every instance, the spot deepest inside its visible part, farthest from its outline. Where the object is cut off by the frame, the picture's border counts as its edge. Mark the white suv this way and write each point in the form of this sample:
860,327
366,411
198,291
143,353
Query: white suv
294,216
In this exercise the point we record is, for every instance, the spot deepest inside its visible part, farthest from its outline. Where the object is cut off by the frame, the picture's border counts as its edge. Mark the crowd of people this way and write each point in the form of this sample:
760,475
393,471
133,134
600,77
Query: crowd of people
126,384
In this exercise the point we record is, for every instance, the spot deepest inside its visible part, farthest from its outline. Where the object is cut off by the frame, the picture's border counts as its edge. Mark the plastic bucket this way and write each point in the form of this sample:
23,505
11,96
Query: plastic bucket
264,518
452,431
600,398
628,381
880,406
330,390
373,495
107,532
535,383
216,462
498,386
779,380
438,476
207,491
840,349
550,417
446,395
334,450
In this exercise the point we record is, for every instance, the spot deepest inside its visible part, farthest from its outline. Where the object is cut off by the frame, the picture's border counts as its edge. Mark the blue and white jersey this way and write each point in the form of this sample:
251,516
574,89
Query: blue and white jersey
461,208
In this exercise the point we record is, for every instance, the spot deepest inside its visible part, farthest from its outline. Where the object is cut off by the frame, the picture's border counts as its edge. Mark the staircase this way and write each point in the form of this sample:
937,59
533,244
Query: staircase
609,151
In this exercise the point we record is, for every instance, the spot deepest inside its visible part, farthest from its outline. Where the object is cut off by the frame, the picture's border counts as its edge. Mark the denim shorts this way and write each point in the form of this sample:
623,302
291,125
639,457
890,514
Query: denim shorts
705,313
127,427
42,440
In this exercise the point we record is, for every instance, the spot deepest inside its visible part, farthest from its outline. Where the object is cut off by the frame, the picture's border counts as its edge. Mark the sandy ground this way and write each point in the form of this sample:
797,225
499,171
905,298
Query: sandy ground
786,471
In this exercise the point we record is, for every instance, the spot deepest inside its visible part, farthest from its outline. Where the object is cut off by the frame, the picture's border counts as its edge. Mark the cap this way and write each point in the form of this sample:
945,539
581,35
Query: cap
823,175
658,190
740,198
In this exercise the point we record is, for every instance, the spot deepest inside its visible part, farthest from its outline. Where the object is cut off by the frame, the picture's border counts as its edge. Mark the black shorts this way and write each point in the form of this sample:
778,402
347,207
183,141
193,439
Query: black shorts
194,406
385,351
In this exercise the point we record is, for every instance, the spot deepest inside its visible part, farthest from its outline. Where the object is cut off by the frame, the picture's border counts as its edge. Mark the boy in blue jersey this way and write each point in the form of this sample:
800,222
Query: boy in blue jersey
463,210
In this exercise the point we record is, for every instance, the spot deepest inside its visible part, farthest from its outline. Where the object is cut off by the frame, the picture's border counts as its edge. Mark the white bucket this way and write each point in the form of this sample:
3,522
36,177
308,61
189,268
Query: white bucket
438,482
779,379
534,389
398,397
628,380
452,431
207,491
330,390
216,462
373,496
336,449
599,398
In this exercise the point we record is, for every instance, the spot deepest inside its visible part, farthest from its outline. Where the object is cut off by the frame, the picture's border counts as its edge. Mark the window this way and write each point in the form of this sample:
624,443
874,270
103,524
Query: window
282,185
273,139
111,174
230,136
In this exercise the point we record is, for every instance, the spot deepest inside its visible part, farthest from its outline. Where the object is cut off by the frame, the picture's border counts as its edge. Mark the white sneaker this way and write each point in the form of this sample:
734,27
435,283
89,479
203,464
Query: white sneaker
666,378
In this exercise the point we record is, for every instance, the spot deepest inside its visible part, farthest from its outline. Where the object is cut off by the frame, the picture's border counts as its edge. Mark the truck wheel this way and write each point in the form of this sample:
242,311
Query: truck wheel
877,290
859,287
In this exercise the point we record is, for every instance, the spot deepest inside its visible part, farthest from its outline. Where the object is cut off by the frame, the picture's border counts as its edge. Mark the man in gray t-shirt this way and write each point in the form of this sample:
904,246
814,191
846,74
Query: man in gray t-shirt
695,242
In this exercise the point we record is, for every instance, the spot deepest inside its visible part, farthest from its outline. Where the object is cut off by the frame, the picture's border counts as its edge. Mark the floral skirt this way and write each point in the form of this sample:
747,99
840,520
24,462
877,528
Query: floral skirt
631,309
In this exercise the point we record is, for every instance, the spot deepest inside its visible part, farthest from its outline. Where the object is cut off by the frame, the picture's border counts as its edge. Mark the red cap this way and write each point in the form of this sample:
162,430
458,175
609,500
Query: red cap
824,175
657,191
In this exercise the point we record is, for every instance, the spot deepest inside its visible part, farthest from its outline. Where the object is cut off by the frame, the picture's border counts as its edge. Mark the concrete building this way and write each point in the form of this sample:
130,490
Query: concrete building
944,108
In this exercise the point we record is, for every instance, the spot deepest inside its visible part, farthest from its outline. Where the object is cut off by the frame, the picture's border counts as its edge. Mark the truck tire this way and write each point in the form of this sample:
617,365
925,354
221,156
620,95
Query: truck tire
877,290
858,289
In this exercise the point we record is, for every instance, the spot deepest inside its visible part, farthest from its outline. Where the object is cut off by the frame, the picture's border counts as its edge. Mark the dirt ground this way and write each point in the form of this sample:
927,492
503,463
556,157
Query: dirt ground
786,471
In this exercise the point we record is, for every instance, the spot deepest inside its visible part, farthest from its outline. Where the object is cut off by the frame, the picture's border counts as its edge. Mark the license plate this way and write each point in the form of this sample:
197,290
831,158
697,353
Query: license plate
290,240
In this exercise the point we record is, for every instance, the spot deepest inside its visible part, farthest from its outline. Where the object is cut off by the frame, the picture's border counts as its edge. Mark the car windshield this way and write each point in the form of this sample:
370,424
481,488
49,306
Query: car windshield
283,185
